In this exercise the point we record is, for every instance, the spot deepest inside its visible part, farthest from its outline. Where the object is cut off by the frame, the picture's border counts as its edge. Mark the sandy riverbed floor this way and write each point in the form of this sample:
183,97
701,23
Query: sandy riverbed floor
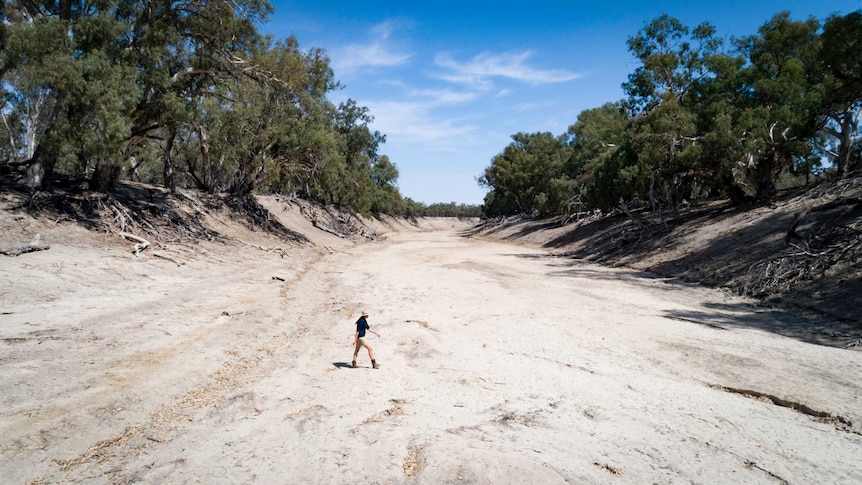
499,364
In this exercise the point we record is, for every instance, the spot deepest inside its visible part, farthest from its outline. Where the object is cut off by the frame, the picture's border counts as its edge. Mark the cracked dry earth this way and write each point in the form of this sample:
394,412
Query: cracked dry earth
499,364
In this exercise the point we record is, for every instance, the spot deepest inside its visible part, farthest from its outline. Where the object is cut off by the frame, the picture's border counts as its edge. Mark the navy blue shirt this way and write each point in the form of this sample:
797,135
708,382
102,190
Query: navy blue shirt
361,326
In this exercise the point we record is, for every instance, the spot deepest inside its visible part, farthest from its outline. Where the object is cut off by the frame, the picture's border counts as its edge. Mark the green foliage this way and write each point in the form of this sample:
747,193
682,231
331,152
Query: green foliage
701,121
385,198
666,134
72,77
673,59
411,209
616,177
525,176
780,105
184,94
842,78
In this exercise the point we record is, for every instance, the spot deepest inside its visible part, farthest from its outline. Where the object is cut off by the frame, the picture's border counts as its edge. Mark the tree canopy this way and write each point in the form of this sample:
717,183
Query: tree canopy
97,91
701,118
184,93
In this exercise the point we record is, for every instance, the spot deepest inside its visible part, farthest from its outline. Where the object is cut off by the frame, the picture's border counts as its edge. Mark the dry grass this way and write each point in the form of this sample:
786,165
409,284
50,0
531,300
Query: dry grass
613,471
413,461
132,441
396,408
423,324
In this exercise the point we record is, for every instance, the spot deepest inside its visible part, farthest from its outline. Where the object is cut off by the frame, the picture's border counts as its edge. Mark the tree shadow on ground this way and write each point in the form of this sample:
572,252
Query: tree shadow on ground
529,225
594,274
720,245
609,238
536,227
799,324
795,325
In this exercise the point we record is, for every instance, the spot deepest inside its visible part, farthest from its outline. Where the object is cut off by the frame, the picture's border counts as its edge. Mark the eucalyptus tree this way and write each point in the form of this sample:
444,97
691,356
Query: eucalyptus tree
600,164
358,148
661,94
528,176
181,57
63,65
385,197
115,75
842,70
779,104
251,129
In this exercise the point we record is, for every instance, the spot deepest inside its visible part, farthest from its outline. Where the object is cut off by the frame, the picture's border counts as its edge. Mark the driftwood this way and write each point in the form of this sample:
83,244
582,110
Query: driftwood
634,217
33,245
280,251
326,228
797,218
141,243
178,263
809,256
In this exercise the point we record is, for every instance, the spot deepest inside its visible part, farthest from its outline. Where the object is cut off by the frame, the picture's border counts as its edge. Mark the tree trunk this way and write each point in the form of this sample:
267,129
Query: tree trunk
849,128
40,168
168,161
206,160
65,9
764,175
104,176
132,173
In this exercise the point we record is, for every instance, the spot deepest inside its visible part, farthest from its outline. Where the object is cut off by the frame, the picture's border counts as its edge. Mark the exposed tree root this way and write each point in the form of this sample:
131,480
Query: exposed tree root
754,465
839,422
807,258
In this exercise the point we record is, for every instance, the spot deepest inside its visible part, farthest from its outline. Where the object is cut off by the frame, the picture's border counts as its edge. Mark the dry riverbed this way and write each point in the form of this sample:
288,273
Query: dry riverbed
499,364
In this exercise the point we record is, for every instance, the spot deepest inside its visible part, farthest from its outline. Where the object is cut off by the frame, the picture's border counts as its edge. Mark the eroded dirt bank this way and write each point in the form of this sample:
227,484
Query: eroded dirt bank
500,364
802,250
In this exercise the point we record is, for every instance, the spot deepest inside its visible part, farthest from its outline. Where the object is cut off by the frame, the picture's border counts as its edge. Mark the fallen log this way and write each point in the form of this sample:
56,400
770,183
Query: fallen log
797,218
141,243
325,228
231,313
33,245
162,256
281,251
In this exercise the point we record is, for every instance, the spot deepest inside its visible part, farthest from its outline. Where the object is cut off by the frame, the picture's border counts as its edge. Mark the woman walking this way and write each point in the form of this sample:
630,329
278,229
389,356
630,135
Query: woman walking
359,340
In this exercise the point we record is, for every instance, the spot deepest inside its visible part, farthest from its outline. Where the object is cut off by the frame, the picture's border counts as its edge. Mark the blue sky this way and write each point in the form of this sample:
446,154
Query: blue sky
448,83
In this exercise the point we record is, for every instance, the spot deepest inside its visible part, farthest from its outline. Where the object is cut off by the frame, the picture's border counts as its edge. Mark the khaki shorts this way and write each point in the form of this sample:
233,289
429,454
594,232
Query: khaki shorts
360,342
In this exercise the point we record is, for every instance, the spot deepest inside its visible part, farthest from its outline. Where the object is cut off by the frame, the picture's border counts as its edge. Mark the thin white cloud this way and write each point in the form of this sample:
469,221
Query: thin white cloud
417,122
479,70
385,29
443,96
392,83
425,116
379,51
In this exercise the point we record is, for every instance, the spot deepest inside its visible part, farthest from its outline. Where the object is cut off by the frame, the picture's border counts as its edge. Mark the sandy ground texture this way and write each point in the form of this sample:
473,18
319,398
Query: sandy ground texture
499,364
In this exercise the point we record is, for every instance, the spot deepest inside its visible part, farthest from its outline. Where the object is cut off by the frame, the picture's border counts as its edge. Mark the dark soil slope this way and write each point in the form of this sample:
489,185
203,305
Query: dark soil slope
803,250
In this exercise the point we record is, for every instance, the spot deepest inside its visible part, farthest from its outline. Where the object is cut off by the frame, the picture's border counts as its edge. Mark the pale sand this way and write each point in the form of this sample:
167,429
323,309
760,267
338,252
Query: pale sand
500,364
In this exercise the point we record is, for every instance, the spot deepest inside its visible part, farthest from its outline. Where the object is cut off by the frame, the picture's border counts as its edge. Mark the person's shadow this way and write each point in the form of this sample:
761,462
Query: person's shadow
342,365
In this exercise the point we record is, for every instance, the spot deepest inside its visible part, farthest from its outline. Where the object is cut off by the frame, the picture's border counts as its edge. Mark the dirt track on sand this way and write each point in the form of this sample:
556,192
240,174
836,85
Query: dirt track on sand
500,364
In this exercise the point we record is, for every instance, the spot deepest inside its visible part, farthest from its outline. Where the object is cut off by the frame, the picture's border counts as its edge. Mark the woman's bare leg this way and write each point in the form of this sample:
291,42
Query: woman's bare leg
356,351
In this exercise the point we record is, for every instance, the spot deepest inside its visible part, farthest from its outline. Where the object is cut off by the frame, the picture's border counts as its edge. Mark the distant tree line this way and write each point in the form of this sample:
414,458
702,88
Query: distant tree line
411,208
184,93
701,119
